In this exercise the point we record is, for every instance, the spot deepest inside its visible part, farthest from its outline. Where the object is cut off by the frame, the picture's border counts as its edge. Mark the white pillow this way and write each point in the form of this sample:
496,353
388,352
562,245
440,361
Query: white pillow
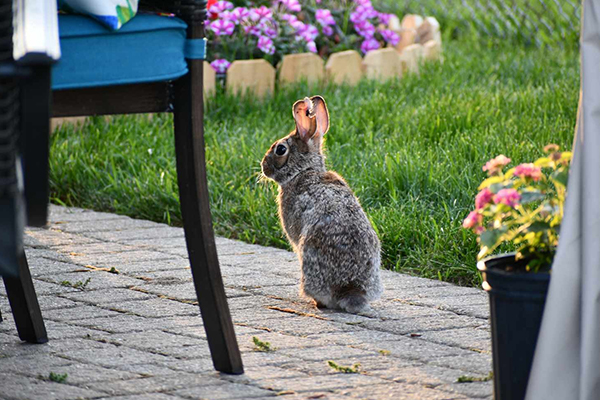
112,13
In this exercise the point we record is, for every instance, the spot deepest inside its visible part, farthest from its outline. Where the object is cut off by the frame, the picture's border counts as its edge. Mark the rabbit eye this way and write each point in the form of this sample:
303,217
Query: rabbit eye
280,150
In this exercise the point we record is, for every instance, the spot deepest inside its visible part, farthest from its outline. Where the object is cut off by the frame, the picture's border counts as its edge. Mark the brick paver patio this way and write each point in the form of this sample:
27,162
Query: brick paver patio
136,333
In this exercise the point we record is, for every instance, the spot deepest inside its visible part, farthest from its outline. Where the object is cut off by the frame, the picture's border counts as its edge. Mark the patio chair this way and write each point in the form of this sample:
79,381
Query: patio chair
152,64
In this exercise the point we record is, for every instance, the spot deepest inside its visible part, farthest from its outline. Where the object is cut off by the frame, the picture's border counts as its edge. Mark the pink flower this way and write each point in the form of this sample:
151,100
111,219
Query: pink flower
308,32
473,220
256,14
363,3
390,36
240,14
369,44
510,197
483,198
292,5
324,17
220,65
265,45
528,171
311,46
219,7
222,27
495,164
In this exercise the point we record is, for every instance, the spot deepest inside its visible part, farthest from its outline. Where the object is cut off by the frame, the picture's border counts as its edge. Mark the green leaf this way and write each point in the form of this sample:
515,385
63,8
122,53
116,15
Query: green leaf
538,226
560,176
531,196
490,237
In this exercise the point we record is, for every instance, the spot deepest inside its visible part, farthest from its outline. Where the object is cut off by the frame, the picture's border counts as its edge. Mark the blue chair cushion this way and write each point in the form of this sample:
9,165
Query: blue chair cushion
148,48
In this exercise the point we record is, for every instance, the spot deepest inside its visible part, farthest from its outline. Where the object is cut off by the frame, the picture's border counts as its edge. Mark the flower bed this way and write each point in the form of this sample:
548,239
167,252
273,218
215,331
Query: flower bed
296,37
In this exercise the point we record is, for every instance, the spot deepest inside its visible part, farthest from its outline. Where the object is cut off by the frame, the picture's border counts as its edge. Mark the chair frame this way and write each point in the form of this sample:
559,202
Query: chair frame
184,98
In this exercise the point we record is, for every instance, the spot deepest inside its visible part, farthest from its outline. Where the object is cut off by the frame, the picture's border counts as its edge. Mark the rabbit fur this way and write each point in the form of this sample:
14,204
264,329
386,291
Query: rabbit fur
338,248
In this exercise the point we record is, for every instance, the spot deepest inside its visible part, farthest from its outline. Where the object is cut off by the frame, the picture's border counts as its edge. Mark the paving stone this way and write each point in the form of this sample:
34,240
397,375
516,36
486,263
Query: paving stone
49,238
111,224
467,338
136,234
55,302
134,268
195,366
64,330
67,214
78,374
440,320
26,388
145,396
116,259
157,369
163,342
78,281
329,382
221,391
476,363
412,348
156,307
77,250
163,383
110,296
123,323
78,313
324,353
398,391
41,266
110,355
31,365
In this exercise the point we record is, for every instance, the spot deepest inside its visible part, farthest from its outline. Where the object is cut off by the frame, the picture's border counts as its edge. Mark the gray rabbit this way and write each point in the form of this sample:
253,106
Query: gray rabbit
338,249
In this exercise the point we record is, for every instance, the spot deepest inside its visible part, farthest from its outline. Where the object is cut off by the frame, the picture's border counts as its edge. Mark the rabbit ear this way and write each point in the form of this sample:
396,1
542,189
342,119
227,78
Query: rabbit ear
321,114
311,117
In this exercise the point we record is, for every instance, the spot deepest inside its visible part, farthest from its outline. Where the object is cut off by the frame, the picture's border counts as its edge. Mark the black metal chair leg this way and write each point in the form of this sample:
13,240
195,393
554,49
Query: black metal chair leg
35,128
197,221
24,304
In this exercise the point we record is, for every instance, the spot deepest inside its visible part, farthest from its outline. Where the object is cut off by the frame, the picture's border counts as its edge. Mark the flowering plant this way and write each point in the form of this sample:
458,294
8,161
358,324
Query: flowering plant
271,29
522,206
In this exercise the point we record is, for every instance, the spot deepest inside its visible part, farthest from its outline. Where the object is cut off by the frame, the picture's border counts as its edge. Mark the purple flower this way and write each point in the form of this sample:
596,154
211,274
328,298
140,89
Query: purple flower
292,5
363,2
327,31
308,32
265,45
384,18
324,17
240,13
267,28
390,36
365,29
362,13
252,30
369,44
311,46
222,27
220,6
257,14
229,16
220,65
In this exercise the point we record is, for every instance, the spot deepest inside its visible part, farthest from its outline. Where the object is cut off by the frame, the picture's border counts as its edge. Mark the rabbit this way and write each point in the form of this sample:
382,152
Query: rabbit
338,249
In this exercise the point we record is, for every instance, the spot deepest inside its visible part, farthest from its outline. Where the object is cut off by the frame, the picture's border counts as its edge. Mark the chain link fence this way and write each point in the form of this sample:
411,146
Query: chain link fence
531,22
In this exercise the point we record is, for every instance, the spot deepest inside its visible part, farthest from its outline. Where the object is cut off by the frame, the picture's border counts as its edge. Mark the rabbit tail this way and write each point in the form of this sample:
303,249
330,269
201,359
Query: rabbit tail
352,300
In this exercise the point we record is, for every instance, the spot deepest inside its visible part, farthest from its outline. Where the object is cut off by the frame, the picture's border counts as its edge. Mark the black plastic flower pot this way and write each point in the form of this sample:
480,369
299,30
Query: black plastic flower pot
517,301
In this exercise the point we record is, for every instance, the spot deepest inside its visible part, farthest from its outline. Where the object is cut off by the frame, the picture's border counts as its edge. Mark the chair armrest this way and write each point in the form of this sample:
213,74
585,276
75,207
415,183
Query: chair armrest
35,32
191,11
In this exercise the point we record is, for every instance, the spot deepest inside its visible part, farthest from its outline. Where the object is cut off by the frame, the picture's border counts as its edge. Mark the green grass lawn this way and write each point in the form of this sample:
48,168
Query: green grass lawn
412,149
